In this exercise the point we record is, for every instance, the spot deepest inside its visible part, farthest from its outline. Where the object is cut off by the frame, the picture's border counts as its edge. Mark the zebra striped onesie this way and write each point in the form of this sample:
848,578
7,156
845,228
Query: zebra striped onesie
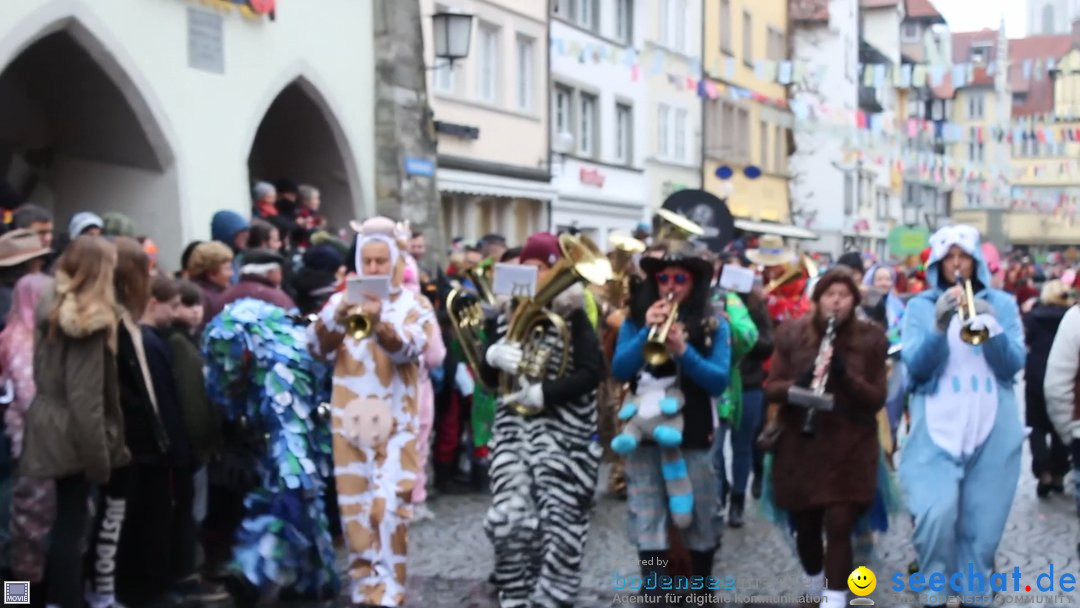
543,471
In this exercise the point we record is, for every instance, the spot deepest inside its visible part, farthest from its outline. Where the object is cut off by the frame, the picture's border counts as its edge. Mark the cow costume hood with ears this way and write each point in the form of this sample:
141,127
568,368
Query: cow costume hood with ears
383,230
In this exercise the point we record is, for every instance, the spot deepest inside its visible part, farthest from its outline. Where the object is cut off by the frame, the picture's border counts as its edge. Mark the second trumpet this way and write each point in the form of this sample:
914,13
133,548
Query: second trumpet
655,351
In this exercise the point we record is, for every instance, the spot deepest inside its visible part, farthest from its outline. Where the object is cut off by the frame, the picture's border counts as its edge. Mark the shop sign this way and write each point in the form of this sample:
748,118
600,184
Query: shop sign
908,240
252,9
419,166
456,130
591,177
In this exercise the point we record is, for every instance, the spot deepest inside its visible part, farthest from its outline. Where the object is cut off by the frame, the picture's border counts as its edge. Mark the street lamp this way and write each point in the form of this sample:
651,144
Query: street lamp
911,215
562,144
451,32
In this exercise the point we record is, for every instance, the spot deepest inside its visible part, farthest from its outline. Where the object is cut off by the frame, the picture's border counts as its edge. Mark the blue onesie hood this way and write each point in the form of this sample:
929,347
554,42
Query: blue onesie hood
965,237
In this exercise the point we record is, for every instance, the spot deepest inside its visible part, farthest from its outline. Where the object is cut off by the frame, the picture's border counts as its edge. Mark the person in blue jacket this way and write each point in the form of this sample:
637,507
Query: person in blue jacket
961,462
699,351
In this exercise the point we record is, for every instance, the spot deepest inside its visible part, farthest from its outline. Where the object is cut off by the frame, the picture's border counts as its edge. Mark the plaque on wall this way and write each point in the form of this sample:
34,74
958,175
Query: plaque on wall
206,41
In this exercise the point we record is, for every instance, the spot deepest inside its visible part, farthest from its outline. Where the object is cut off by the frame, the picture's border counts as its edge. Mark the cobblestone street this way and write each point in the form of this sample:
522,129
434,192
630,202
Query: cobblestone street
450,558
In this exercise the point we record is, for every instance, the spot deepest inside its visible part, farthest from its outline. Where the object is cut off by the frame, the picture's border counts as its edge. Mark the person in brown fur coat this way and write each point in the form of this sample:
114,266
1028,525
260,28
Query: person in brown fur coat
827,478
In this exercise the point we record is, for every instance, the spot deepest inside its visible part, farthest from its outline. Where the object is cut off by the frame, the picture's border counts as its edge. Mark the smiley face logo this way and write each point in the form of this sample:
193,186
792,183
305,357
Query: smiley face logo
862,581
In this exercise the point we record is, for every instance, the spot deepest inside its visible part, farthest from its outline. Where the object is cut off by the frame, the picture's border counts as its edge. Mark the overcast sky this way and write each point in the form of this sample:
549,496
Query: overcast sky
971,15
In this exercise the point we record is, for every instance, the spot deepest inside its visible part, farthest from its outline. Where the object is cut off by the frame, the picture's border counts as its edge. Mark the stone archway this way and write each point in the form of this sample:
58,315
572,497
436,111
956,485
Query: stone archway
299,138
77,134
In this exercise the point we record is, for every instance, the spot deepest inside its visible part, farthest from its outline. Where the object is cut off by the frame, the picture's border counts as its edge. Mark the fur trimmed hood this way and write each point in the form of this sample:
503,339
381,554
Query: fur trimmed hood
79,318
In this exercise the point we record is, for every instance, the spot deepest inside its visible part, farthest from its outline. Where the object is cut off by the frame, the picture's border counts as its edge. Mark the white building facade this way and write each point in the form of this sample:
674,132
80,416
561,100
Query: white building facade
491,119
823,175
673,132
598,106
168,110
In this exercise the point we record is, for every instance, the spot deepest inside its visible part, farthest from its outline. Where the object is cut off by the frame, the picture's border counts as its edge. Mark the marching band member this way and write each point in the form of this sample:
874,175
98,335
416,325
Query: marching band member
544,467
962,460
375,415
786,301
699,364
825,470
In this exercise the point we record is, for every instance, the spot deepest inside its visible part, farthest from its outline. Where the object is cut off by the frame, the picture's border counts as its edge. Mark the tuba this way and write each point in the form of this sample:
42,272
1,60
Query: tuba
480,276
467,320
582,261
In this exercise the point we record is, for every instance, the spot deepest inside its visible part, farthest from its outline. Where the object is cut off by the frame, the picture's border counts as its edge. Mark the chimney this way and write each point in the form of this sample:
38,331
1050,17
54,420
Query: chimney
1076,31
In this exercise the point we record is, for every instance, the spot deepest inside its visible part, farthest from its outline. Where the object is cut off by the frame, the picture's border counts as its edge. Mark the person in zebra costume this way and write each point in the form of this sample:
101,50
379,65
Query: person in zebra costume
699,346
544,468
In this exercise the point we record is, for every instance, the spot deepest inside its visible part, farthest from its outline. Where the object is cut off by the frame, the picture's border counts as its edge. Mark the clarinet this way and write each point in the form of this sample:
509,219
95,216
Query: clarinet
821,372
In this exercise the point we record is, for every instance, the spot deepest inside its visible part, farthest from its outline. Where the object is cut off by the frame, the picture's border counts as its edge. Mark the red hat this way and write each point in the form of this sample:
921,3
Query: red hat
542,246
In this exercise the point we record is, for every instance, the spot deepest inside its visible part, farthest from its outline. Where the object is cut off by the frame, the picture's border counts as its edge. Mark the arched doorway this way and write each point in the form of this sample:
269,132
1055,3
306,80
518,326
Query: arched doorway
299,138
76,134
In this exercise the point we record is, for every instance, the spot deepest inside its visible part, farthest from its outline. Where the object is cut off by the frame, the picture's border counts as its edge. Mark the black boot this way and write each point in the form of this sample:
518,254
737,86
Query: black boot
447,480
755,487
701,564
735,511
651,571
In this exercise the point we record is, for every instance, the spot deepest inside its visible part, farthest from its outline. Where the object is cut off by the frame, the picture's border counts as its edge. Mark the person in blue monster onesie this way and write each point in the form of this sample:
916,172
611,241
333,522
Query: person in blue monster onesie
961,463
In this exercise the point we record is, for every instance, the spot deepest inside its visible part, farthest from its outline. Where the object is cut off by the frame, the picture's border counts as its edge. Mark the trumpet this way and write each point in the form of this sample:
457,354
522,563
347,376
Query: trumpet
655,350
359,325
969,334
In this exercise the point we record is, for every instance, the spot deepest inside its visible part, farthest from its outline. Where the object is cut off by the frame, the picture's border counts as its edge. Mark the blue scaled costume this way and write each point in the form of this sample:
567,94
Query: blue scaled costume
259,372
960,465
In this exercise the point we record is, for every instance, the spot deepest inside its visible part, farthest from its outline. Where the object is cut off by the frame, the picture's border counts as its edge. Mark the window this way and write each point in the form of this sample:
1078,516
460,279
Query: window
586,14
763,145
975,151
882,204
776,45
487,63
563,8
444,78
747,38
624,129
849,194
624,21
524,73
663,128
680,135
911,32
979,54
780,150
679,21
587,125
563,102
742,132
975,105
725,26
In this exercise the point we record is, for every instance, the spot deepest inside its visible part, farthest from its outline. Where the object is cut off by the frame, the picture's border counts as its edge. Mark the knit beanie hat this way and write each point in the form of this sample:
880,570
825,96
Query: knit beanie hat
853,260
322,257
542,246
83,221
117,224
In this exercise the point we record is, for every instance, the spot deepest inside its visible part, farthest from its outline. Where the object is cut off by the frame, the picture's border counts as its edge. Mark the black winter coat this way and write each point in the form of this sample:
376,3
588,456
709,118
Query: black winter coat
1040,327
752,365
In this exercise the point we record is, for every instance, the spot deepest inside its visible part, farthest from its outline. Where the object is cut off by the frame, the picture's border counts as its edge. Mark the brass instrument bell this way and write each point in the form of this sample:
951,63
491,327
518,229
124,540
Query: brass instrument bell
969,334
655,351
359,325
794,271
676,227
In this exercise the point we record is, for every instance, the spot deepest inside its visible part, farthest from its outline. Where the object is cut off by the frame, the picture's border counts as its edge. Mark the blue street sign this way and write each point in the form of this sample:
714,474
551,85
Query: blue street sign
419,166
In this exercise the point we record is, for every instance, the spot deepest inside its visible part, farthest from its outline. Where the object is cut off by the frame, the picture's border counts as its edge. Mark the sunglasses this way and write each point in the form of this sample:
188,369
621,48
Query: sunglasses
680,278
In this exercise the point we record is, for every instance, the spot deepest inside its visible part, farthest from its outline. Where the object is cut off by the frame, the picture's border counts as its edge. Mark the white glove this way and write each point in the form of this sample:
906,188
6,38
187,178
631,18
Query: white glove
464,380
530,395
504,356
